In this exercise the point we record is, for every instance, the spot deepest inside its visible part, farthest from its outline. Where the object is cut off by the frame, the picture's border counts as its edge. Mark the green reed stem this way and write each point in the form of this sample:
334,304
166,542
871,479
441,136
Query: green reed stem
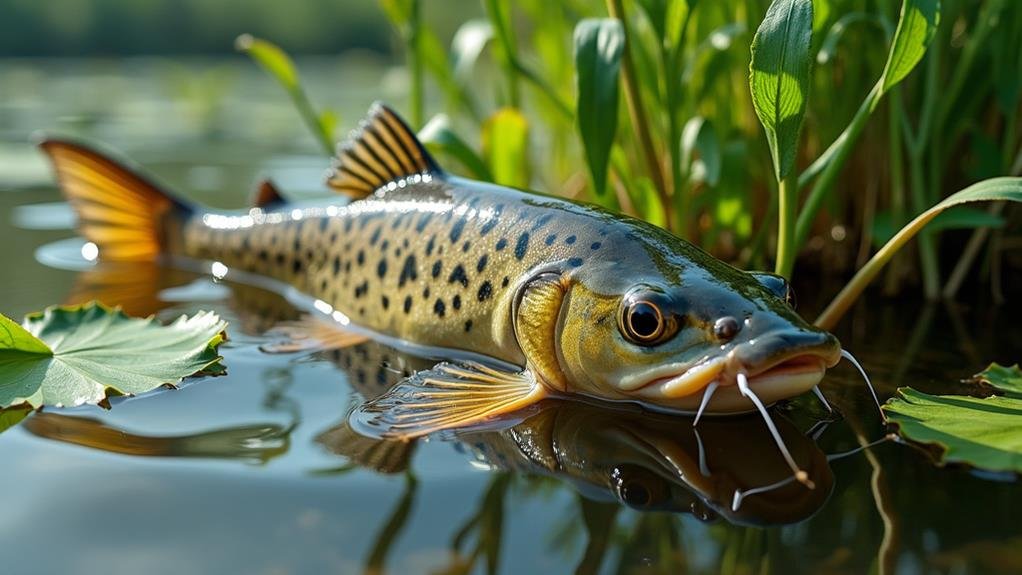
787,199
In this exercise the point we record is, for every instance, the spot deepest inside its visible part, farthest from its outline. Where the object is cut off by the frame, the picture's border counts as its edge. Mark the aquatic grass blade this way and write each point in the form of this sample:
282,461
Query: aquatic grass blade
916,27
1009,189
779,77
599,44
280,67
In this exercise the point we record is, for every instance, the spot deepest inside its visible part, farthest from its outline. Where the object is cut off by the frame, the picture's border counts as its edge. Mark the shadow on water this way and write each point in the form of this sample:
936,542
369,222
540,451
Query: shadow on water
569,483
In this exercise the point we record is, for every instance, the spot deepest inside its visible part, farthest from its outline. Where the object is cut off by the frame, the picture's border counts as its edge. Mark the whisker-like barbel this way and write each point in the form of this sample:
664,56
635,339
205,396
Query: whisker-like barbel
823,400
847,355
800,475
710,389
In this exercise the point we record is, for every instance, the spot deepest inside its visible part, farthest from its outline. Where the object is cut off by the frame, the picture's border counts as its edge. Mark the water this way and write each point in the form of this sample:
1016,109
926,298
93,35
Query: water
254,472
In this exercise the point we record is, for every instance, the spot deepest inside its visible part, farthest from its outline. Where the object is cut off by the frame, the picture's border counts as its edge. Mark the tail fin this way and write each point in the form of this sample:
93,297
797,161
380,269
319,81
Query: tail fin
126,215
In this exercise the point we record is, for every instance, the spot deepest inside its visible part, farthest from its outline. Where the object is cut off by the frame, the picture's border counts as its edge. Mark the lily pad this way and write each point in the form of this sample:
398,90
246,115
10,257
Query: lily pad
982,432
67,356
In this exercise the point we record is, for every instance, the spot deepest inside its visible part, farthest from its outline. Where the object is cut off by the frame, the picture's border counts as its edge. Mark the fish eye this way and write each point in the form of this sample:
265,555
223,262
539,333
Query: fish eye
643,321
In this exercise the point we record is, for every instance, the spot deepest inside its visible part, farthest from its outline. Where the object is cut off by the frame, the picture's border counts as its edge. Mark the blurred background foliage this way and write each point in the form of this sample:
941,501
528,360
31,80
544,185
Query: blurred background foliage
494,86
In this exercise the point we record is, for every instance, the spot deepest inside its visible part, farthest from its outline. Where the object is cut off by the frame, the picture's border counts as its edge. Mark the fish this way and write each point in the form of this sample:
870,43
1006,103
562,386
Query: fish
526,296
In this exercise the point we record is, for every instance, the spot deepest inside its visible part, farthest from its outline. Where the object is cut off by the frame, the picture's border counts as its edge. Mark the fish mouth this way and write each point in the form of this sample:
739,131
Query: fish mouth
776,367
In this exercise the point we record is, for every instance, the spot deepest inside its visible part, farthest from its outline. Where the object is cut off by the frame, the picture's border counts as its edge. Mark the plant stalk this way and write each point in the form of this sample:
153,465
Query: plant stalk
787,198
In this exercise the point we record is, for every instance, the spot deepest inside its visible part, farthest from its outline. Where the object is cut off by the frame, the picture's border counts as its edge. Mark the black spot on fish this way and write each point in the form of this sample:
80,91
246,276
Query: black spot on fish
550,239
385,245
296,266
437,266
347,225
504,282
297,244
425,292
347,266
482,263
361,289
570,240
596,245
408,271
397,253
575,262
408,303
264,255
468,325
423,221
375,237
465,246
385,301
322,285
361,376
522,245
458,275
381,375
429,245
337,265
456,229
456,302
404,243
439,307
323,223
501,244
280,258
361,257
485,291
381,268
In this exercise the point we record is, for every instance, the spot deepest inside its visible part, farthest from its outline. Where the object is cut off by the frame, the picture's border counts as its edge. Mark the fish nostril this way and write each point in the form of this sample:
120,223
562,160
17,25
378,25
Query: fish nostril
726,328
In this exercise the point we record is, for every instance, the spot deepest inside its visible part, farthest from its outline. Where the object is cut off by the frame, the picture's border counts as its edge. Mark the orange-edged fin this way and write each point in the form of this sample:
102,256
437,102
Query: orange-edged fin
267,195
381,455
381,151
311,333
126,215
448,396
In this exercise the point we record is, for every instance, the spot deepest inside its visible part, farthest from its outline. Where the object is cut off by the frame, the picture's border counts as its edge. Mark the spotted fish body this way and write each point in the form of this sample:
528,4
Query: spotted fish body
432,261
582,300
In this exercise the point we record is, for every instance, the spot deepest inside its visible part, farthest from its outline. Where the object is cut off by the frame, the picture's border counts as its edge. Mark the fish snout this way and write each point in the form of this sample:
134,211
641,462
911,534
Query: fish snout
784,348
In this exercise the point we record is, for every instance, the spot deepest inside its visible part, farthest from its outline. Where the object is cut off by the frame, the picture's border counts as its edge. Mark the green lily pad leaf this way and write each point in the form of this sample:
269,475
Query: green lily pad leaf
1007,380
982,432
72,355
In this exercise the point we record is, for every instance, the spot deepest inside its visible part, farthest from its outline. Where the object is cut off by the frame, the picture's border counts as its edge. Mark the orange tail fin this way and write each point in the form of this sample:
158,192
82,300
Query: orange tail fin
128,217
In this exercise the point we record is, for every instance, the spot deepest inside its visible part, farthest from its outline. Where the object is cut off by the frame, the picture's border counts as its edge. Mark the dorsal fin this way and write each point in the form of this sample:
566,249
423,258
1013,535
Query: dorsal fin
383,149
267,195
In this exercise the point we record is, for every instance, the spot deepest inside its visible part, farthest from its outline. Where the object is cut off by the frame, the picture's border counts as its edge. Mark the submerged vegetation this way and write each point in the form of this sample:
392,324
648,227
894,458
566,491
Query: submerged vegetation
872,113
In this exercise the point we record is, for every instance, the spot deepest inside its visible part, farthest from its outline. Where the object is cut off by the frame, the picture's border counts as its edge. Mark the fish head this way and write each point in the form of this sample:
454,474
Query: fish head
664,339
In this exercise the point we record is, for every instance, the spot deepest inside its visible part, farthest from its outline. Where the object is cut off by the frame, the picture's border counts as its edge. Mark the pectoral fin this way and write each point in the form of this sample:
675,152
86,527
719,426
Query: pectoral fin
445,397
